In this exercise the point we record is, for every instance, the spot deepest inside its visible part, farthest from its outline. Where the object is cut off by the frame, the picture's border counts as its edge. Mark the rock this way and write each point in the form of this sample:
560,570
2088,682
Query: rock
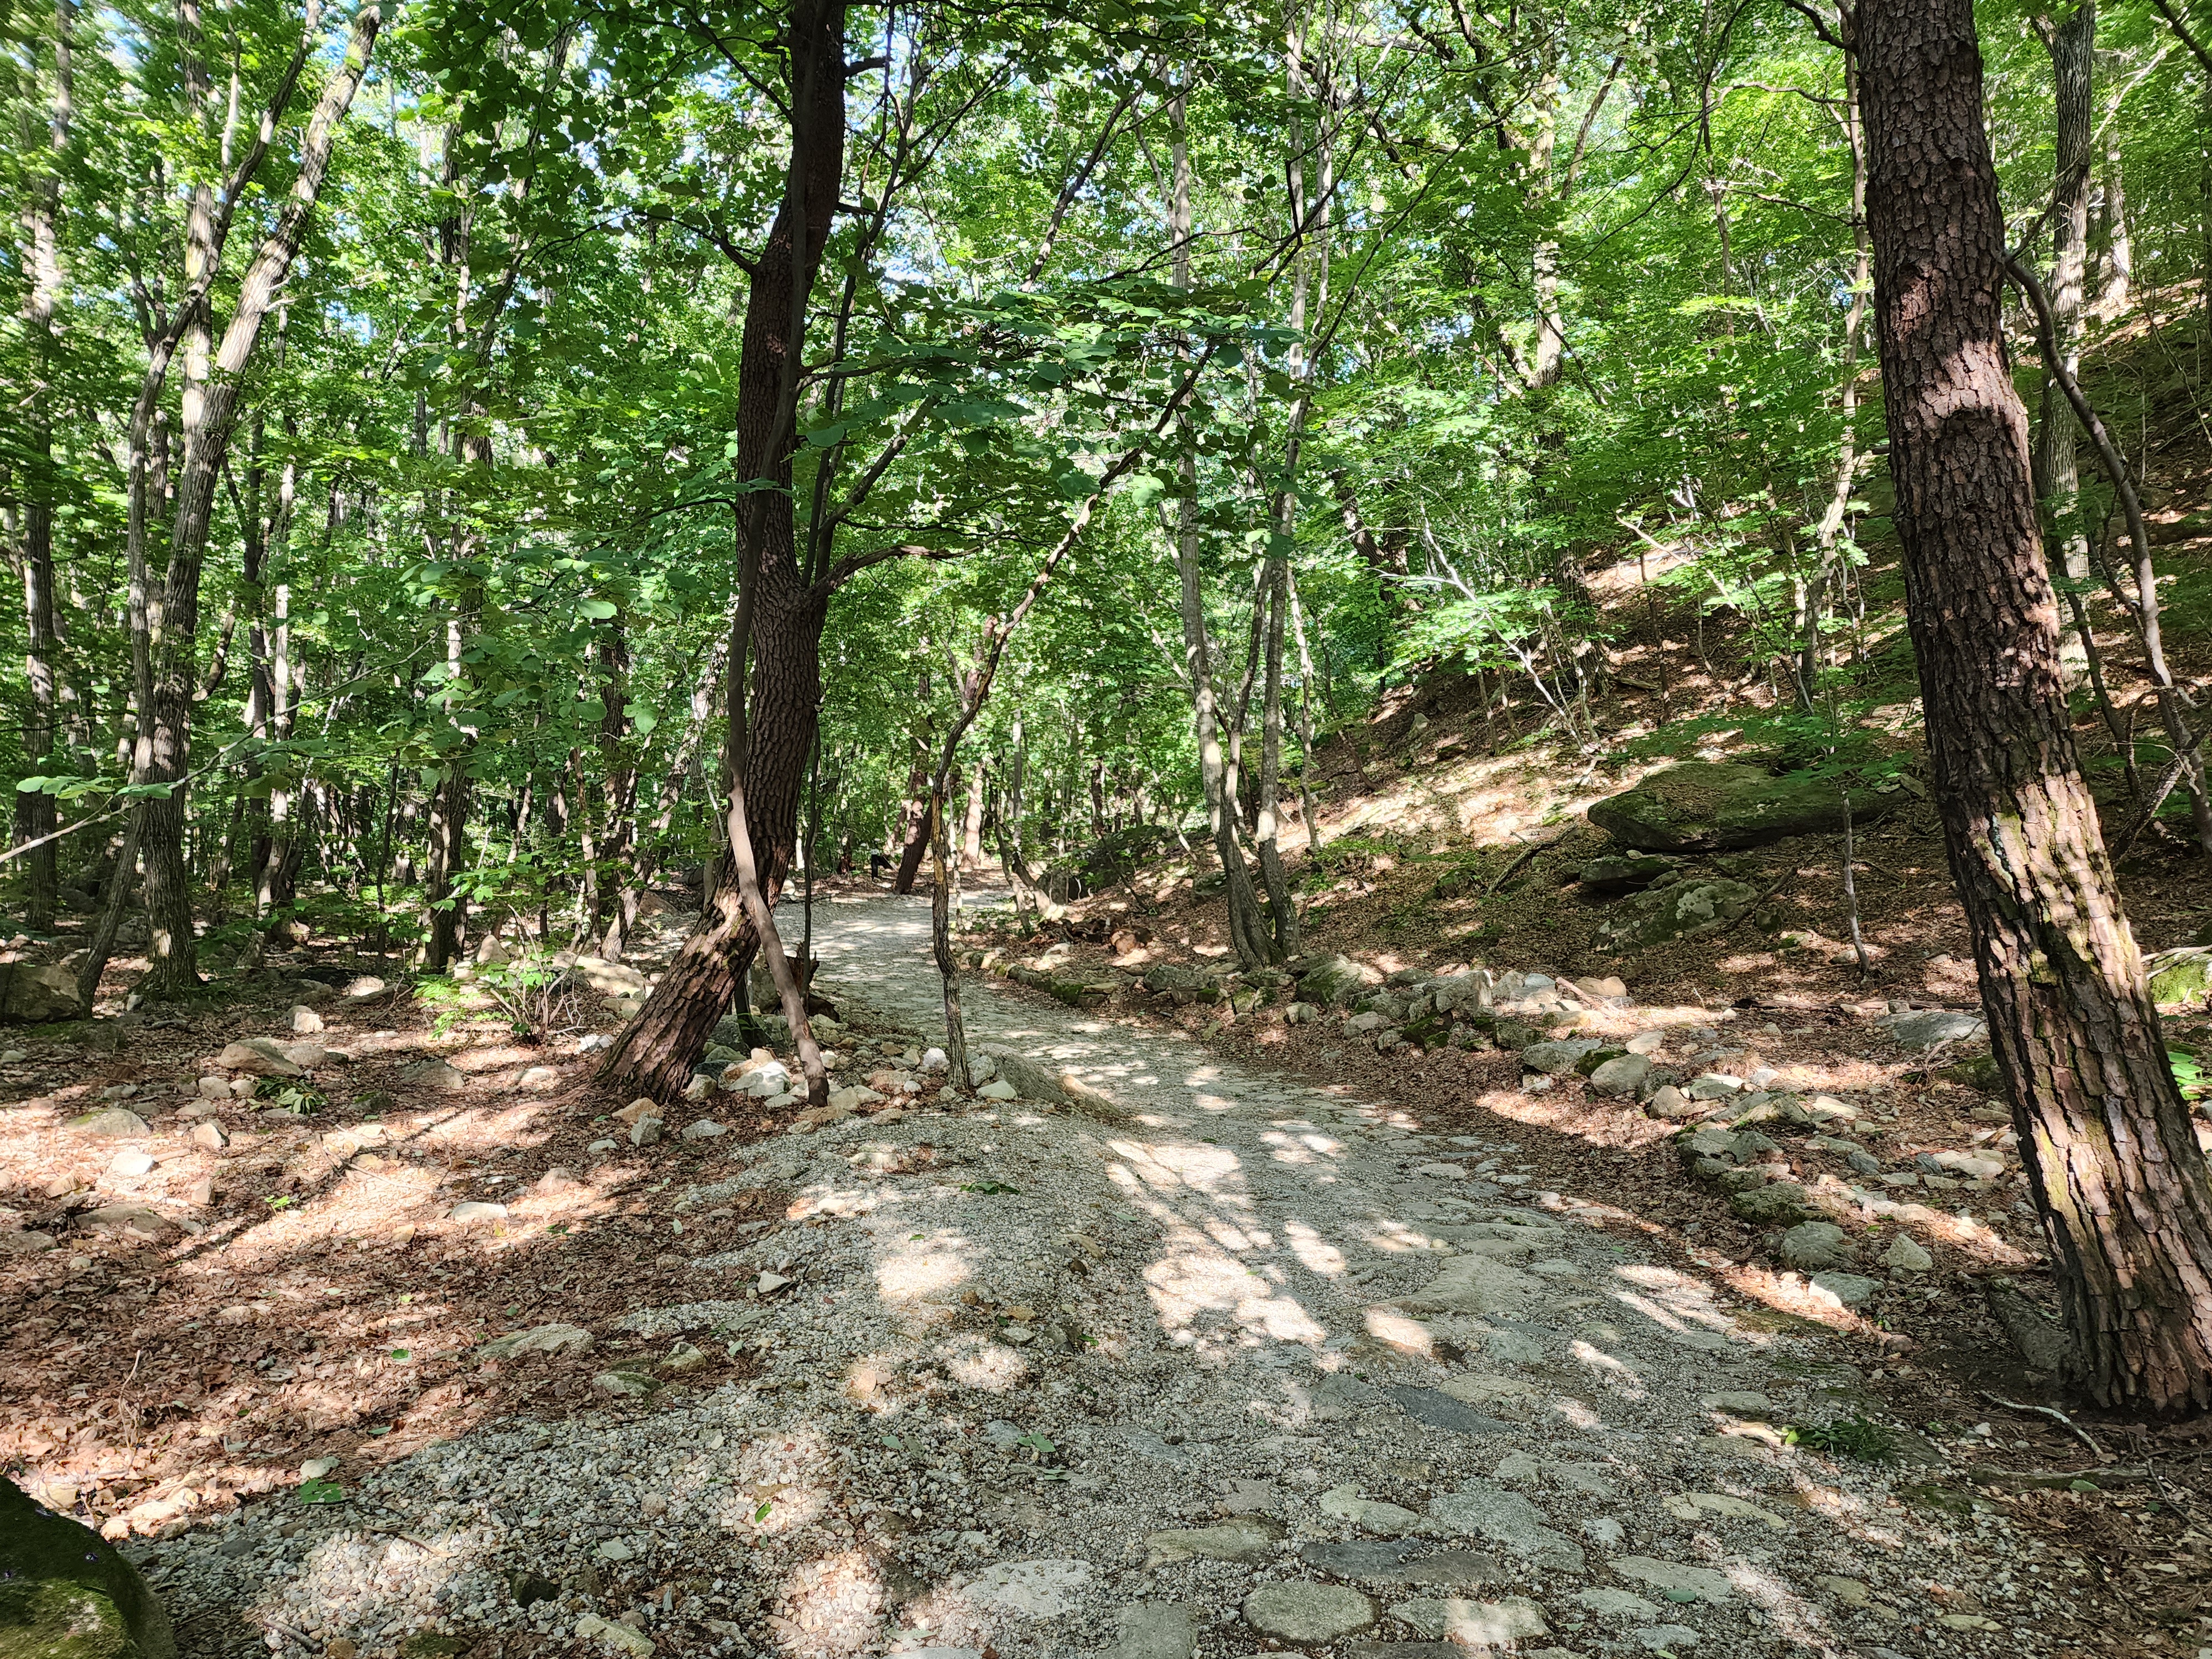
1660,916
1818,1244
643,1106
645,1132
1905,1254
66,1594
1332,982
1248,1539
316,1468
1617,1605
1666,1638
15,1243
1624,1076
624,1384
1497,1624
1701,806
1756,1406
259,1057
1850,1591
1669,1103
1773,1206
361,987
1473,1285
619,1637
1441,1171
1697,1583
1440,1410
1925,1031
1845,1289
128,1164
527,1588
1155,1630
475,1211
539,1078
435,1075
305,1022
1557,1058
30,995
704,1129
1034,1589
1306,1613
770,1283
1029,1079
556,1180
999,1089
113,1124
132,1216
212,1087
2181,977
1388,1520
1481,1509
558,1337
608,979
1619,872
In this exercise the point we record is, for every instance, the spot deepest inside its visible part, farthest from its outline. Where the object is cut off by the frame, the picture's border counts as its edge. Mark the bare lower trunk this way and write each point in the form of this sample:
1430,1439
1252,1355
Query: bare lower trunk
1282,911
2110,1151
940,942
971,827
2073,47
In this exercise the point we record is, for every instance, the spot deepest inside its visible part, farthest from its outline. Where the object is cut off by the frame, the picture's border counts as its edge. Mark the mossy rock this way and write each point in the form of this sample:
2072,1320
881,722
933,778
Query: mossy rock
1704,806
1660,916
65,1594
1596,1058
1777,1204
2183,977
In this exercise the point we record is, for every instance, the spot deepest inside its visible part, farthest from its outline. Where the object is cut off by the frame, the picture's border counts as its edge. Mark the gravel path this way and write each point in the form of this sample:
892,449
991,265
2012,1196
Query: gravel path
1206,1361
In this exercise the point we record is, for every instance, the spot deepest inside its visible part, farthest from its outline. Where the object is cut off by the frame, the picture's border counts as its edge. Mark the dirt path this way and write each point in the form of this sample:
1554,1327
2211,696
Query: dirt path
1214,1362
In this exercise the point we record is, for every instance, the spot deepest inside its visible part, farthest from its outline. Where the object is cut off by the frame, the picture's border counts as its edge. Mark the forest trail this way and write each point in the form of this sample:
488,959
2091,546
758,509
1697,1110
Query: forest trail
1230,1362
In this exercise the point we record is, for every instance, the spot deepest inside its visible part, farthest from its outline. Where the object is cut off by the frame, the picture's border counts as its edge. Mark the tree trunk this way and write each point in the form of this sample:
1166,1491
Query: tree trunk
2073,47
654,1053
2107,1139
2115,249
971,829
619,894
915,814
211,416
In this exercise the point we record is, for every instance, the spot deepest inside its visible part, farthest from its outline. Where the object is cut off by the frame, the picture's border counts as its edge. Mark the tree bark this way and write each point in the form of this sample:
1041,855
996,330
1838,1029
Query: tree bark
2112,1158
654,1053
211,417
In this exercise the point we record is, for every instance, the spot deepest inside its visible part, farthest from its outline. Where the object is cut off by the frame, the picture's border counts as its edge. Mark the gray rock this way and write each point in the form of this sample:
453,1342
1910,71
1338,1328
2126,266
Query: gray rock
30,995
704,1129
645,1131
1906,1253
625,1384
1440,1411
1481,1509
1557,1058
1332,982
1304,1612
475,1211
556,1338
362,986
1446,1569
1698,1583
1029,1079
1248,1539
1660,916
1624,1076
67,1593
435,1075
1480,1624
1667,1638
259,1057
1818,1244
1617,1605
113,1124
1925,1031
1156,1630
1670,1102
1357,1558
1850,1290
1714,1085
1617,872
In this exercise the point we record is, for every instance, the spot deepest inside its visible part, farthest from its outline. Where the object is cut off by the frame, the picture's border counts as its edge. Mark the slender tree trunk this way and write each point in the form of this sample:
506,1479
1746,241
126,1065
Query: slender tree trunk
971,829
2116,249
2072,42
1282,910
2111,1154
211,416
1828,535
914,813
1307,803
655,1052
619,891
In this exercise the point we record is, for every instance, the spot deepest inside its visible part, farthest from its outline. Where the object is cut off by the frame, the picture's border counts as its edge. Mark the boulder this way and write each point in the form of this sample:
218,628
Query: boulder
1029,1079
1623,1075
1557,1058
1332,982
67,1595
1925,1030
257,1057
1660,915
29,995
1703,806
1818,1244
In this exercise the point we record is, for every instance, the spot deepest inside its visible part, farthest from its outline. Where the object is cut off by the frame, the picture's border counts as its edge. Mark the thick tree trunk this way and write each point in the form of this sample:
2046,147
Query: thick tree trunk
2107,1139
211,417
655,1054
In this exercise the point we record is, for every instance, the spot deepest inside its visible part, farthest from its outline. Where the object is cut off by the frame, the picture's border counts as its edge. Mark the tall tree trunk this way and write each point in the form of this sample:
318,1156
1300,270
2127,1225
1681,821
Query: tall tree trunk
971,827
618,887
2072,42
654,1053
1248,934
2110,1155
36,817
210,418
914,813
1282,909
2115,245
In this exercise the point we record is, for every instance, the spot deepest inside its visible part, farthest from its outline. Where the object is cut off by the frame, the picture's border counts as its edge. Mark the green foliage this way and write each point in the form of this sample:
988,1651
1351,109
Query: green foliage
1859,1437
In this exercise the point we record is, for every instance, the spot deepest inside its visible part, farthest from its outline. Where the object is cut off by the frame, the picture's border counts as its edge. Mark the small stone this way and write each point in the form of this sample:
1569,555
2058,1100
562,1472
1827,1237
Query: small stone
645,1132
1441,1171
558,1337
1714,1085
13,1243
1619,1605
210,1136
113,1124
341,1647
557,1180
475,1210
257,1057
212,1087
1646,1043
1497,1624
1623,1076
537,1078
936,1060
1304,1612
366,984
1667,1638
1478,1509
1818,1244
625,1384
127,1164
999,1089
1756,1406
305,1022
770,1283
435,1075
1906,1254
1668,1102
1850,1591
1925,1031
1346,1504
705,1129
527,1588
316,1468
621,1638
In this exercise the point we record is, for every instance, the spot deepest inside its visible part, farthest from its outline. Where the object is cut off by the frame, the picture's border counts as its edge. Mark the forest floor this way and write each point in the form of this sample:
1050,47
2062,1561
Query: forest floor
1263,1340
